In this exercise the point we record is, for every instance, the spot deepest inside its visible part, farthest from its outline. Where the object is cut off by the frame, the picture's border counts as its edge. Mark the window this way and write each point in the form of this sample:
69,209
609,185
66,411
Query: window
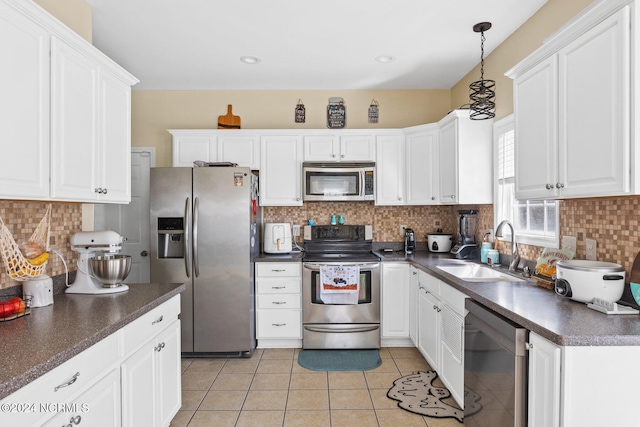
535,221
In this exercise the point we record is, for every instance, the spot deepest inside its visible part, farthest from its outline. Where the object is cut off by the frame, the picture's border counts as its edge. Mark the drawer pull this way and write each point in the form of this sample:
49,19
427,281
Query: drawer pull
74,420
68,383
278,270
158,320
159,347
279,302
279,324
278,287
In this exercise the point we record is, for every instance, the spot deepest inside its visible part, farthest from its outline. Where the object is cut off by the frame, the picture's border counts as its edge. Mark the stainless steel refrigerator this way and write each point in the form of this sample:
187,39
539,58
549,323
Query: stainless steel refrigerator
205,224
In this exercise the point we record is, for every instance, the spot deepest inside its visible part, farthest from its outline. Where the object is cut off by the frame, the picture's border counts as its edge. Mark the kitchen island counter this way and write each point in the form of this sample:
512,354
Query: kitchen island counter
559,319
33,345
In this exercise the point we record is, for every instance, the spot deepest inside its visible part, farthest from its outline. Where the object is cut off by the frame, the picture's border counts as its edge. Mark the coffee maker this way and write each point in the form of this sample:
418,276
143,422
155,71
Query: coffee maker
409,241
466,245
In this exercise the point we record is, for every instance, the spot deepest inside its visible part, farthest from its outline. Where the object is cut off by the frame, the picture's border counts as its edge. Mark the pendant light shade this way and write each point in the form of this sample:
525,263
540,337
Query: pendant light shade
482,94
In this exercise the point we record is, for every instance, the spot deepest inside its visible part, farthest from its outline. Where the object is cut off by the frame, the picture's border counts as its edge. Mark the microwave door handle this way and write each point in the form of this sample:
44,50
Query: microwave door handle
185,238
362,185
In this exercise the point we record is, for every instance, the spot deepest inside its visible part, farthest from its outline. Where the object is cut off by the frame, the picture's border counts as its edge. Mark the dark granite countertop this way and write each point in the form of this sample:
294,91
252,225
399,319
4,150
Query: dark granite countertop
34,344
559,319
290,257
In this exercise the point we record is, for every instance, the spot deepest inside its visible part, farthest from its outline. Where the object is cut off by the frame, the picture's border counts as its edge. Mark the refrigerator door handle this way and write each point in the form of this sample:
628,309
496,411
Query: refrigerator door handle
185,241
196,261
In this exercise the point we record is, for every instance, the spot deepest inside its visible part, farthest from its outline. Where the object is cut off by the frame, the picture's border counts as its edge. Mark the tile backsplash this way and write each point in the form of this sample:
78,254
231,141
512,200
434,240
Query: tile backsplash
22,217
613,222
386,220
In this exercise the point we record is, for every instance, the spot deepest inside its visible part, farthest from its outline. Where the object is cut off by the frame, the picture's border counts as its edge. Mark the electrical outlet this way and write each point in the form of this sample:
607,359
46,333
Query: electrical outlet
402,229
591,246
569,243
296,230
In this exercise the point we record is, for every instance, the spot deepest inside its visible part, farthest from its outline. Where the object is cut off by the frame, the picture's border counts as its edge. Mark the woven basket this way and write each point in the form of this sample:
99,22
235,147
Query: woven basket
18,267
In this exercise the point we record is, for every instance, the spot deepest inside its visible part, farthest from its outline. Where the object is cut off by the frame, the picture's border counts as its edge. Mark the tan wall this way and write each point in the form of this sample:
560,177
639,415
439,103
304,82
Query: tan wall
156,111
75,14
518,46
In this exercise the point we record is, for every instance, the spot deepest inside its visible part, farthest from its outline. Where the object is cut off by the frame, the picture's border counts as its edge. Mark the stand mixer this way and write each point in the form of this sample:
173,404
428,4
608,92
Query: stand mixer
87,243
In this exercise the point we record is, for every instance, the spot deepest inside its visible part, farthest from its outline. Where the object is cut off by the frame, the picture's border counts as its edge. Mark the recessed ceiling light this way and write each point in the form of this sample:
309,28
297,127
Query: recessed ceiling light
385,59
250,59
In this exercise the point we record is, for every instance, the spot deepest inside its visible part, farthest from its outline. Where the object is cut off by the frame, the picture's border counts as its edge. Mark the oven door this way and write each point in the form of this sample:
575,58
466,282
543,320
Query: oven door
314,310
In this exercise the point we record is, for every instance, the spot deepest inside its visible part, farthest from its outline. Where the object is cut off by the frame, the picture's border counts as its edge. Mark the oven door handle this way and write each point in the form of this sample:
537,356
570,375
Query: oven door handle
341,329
363,266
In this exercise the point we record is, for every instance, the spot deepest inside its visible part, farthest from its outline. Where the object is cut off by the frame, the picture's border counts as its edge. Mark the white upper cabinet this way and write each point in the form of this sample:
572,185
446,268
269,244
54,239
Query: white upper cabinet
390,169
67,111
208,145
90,130
326,146
465,160
536,121
421,154
24,107
572,110
281,170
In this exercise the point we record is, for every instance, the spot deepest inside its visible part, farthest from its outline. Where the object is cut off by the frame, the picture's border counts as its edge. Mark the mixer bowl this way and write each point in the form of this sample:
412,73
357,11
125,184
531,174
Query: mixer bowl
110,270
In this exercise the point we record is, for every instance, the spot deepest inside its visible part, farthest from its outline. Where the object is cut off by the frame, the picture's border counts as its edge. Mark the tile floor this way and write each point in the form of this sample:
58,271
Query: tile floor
271,389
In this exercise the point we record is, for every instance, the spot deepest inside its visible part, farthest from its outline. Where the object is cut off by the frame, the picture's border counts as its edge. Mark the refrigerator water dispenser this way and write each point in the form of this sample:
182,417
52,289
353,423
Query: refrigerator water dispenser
171,237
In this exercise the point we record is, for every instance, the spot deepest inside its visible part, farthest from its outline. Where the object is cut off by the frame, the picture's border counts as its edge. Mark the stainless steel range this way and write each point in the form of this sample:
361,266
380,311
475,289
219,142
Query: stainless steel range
336,313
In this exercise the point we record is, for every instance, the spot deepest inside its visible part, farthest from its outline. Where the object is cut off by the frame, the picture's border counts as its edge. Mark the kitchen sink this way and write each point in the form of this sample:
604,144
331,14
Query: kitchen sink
478,273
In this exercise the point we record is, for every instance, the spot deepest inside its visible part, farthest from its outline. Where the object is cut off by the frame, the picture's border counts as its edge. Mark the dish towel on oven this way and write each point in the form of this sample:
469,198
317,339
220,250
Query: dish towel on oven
339,284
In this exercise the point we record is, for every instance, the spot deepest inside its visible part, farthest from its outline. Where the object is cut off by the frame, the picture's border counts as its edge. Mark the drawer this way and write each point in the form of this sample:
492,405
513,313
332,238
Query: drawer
279,324
281,301
61,385
149,325
279,286
278,269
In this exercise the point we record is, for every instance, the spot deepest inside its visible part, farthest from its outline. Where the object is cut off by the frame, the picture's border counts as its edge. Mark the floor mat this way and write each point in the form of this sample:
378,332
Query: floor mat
416,393
339,360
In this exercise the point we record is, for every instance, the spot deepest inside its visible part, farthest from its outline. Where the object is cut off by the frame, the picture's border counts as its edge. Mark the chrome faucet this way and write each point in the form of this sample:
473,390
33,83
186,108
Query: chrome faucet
515,255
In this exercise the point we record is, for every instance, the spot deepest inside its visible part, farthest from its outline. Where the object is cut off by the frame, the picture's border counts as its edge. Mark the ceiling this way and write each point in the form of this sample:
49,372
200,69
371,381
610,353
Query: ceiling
301,44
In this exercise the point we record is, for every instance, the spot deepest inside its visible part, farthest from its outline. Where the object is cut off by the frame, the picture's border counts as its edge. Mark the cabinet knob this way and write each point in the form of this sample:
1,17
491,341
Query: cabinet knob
144,254
98,190
297,199
549,186
559,185
453,196
159,347
342,156
528,346
414,273
433,197
399,199
104,191
333,155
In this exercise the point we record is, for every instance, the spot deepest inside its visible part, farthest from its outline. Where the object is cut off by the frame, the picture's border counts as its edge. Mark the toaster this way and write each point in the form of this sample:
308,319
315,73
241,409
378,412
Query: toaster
277,238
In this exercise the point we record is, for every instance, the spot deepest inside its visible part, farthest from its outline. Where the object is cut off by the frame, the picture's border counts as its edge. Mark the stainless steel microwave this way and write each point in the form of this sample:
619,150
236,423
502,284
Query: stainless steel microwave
338,182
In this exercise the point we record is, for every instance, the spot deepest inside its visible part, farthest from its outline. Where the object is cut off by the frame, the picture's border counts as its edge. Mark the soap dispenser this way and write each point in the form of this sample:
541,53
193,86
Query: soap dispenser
485,248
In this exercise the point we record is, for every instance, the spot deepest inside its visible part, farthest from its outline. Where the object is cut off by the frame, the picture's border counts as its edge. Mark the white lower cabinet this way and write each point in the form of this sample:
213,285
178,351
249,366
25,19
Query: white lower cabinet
413,305
428,318
278,304
395,287
544,382
441,331
130,378
97,407
151,381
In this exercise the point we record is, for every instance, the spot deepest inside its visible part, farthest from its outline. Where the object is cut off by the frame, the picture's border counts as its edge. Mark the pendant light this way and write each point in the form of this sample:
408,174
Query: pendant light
482,93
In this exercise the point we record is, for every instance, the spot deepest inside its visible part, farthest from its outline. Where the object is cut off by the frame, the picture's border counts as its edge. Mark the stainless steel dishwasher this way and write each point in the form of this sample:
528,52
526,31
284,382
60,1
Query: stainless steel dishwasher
495,368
